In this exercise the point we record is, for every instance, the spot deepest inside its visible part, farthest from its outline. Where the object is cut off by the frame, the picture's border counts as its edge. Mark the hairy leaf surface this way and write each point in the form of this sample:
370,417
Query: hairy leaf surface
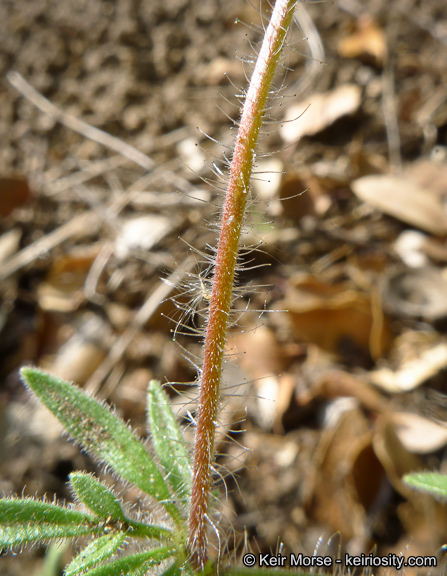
431,482
96,552
101,500
97,497
101,433
168,442
24,520
134,565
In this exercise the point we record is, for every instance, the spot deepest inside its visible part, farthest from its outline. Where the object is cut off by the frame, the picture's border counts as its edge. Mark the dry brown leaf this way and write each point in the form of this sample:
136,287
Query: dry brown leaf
130,395
403,199
220,69
424,520
336,318
366,41
259,352
79,357
335,500
420,359
191,155
268,177
267,392
63,288
261,358
336,383
9,244
429,175
13,193
435,249
418,434
395,458
286,389
410,247
422,517
77,361
297,200
319,111
32,420
367,472
141,233
415,293
119,315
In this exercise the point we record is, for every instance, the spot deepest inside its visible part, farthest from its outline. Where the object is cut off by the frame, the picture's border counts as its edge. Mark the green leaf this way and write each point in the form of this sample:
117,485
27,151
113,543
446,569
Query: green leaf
101,500
168,442
96,552
183,568
97,497
431,482
140,530
134,565
53,560
25,520
173,570
101,433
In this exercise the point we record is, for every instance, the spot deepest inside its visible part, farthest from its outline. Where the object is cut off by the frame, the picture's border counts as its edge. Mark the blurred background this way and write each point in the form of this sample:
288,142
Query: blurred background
331,399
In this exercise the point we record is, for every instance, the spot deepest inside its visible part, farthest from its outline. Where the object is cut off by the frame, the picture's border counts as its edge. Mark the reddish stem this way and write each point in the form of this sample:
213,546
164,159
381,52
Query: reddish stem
224,271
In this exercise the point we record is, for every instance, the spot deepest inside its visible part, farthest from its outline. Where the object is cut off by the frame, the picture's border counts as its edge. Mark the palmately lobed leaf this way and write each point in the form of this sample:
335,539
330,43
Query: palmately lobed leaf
101,433
24,520
168,442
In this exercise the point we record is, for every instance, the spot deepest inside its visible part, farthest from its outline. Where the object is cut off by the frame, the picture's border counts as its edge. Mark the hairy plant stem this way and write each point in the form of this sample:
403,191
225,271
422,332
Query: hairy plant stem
224,272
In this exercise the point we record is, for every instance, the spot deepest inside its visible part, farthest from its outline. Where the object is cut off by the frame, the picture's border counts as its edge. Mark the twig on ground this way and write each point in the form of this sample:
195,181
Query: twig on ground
102,166
390,115
162,292
315,61
77,225
31,94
